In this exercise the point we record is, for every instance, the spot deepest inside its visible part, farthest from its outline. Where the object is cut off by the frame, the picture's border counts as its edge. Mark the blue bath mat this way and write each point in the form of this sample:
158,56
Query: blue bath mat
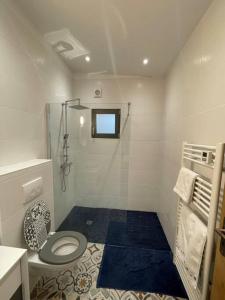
138,269
136,235
142,218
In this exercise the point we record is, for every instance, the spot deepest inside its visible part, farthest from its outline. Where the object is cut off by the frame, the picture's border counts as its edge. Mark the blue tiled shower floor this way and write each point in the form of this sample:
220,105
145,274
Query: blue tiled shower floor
92,222
136,256
116,227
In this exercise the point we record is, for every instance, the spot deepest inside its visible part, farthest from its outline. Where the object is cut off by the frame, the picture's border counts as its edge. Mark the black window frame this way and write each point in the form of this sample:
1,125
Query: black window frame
104,111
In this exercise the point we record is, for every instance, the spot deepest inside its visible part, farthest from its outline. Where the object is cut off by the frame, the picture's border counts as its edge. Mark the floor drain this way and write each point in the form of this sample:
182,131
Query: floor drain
89,222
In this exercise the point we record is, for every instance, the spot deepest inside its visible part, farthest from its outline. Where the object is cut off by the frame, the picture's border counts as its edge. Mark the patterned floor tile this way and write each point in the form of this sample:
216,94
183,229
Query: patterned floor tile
79,283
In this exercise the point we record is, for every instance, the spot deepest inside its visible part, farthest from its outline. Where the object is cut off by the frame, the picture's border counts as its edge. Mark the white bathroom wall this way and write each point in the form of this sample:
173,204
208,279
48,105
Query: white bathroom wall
123,173
12,204
30,75
194,102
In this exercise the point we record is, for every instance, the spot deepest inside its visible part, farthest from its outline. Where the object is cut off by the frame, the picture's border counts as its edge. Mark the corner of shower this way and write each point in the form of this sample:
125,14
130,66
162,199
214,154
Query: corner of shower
90,175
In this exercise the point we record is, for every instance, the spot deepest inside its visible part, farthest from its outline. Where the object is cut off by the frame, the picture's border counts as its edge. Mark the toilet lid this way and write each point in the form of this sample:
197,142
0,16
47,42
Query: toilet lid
37,223
47,255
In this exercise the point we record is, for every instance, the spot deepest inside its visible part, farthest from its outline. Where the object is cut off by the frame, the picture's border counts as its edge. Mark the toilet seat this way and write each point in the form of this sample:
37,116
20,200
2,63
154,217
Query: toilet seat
47,255
60,248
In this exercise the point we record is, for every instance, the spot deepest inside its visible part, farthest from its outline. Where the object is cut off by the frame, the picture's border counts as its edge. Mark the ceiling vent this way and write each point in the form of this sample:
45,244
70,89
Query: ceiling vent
98,93
66,44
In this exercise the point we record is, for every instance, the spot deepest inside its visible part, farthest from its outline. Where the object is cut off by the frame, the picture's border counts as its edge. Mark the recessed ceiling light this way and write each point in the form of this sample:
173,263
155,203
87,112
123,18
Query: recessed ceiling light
145,61
87,58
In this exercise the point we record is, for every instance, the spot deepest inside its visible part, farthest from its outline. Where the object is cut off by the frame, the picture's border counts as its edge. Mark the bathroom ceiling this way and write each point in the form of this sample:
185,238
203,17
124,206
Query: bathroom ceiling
119,34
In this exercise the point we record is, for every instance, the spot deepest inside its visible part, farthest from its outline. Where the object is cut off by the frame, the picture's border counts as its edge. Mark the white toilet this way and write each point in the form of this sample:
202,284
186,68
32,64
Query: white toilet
52,251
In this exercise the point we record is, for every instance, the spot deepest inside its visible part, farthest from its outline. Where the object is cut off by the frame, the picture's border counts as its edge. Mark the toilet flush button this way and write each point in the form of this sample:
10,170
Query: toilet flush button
32,189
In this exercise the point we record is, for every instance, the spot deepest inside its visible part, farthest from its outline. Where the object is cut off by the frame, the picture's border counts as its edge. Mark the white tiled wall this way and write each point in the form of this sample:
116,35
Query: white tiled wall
30,75
121,173
195,102
12,206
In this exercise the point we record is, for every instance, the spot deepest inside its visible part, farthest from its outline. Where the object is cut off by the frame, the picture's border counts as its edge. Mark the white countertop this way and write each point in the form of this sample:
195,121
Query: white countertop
9,256
22,165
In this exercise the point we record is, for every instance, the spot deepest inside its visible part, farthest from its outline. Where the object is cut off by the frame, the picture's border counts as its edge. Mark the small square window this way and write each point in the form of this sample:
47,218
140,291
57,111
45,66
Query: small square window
106,123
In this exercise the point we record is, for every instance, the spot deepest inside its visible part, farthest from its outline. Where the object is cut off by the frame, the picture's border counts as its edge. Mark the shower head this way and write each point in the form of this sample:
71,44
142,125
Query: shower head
78,106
